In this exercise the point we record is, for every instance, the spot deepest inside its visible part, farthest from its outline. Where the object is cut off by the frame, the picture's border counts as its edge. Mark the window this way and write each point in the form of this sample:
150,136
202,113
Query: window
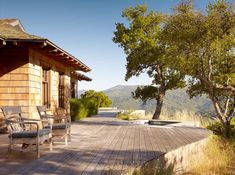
45,88
61,91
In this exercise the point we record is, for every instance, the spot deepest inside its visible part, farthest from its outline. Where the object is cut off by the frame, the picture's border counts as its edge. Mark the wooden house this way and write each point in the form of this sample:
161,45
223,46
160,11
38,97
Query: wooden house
34,71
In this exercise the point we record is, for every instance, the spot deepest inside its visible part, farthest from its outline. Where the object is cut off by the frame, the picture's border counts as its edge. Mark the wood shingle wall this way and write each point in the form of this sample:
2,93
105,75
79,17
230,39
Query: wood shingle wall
14,79
21,79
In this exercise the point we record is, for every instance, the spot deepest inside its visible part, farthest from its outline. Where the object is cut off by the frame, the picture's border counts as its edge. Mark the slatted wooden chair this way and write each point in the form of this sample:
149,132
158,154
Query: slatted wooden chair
62,128
20,132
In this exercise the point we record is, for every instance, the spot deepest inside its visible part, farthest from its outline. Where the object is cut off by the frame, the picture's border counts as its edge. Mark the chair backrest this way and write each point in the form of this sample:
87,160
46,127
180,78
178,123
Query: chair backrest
42,111
13,118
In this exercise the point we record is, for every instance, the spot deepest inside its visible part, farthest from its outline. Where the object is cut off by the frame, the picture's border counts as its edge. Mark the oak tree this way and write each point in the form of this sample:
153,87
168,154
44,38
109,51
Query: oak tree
203,45
146,53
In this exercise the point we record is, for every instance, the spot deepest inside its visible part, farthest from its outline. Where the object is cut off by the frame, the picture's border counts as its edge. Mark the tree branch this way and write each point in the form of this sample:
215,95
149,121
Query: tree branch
209,68
226,105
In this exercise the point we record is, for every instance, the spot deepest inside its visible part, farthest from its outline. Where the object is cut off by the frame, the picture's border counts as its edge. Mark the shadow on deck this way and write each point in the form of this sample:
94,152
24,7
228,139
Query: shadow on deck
100,145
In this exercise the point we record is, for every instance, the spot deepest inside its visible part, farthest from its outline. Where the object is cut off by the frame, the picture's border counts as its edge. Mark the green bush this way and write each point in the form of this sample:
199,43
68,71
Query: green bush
82,108
91,105
78,109
218,128
88,104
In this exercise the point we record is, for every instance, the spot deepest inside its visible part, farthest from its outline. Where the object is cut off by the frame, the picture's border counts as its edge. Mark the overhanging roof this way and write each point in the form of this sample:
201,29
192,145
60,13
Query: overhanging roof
12,32
80,76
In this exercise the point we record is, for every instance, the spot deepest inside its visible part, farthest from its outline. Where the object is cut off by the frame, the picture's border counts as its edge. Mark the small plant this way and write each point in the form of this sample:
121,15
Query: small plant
124,116
218,129
131,115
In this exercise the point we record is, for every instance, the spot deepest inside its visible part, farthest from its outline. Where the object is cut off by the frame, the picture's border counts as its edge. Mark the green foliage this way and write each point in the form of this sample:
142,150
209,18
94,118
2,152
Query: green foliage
203,46
88,104
98,98
188,43
78,109
218,128
146,53
145,93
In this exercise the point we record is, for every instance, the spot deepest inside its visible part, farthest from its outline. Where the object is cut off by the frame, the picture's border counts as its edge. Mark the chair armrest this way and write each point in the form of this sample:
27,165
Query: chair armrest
32,123
19,122
56,117
37,120
44,121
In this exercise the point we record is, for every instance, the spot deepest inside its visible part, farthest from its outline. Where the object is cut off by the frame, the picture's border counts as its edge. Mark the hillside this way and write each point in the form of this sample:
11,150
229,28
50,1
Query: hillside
176,100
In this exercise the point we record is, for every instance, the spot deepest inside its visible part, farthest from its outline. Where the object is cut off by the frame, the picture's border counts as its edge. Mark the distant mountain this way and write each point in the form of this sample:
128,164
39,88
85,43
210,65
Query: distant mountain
176,100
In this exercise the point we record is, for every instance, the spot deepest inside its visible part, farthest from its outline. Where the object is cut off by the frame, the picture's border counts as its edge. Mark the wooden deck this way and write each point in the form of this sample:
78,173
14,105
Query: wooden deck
100,145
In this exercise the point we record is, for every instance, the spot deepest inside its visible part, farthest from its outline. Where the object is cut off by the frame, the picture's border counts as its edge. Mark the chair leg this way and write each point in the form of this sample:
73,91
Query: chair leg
69,134
66,139
10,145
38,149
50,142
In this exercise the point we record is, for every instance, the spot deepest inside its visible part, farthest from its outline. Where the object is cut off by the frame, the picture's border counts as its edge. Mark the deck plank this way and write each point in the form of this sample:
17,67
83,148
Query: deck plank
100,145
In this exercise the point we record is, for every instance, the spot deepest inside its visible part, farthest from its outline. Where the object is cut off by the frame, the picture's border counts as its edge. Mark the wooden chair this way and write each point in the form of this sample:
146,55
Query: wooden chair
19,133
62,128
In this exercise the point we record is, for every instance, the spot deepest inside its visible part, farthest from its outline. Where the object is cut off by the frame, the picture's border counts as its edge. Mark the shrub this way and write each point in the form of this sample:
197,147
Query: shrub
78,109
218,129
91,105
88,104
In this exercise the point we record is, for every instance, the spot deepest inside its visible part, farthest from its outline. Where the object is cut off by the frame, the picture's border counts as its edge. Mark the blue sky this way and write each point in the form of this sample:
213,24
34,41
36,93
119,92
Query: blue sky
85,28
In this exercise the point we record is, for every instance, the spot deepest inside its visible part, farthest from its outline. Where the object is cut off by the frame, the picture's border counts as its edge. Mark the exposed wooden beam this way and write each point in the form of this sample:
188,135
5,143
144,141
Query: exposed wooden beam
44,44
60,54
54,50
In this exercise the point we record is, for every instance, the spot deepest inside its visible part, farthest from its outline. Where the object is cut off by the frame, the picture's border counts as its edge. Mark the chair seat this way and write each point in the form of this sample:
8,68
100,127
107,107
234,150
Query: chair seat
57,126
30,134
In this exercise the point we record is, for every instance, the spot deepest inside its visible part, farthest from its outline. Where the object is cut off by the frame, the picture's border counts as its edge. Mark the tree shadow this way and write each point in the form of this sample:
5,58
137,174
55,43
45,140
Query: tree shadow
76,162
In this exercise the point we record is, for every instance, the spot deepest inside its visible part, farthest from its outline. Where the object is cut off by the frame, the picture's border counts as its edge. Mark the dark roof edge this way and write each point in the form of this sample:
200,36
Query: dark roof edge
87,69
80,76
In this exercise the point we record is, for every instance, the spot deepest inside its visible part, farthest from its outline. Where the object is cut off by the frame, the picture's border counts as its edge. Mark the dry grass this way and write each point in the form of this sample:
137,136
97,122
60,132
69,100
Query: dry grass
218,158
184,116
129,116
187,116
179,116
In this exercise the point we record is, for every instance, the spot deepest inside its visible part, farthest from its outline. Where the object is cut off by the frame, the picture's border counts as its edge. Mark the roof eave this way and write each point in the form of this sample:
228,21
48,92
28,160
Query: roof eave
82,66
80,76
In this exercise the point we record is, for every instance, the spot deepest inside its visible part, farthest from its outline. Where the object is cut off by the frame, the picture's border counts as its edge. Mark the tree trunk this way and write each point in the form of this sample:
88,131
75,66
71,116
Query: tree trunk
158,108
227,129
222,115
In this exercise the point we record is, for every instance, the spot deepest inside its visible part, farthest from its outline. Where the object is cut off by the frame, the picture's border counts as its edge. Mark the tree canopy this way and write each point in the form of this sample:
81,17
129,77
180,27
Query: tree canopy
203,45
187,45
146,53
100,98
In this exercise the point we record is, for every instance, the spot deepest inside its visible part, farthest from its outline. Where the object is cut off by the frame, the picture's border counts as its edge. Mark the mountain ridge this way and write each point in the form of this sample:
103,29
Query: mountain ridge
175,100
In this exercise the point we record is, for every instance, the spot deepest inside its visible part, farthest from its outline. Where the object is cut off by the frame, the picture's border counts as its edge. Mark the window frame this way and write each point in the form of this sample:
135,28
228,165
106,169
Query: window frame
61,91
46,87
